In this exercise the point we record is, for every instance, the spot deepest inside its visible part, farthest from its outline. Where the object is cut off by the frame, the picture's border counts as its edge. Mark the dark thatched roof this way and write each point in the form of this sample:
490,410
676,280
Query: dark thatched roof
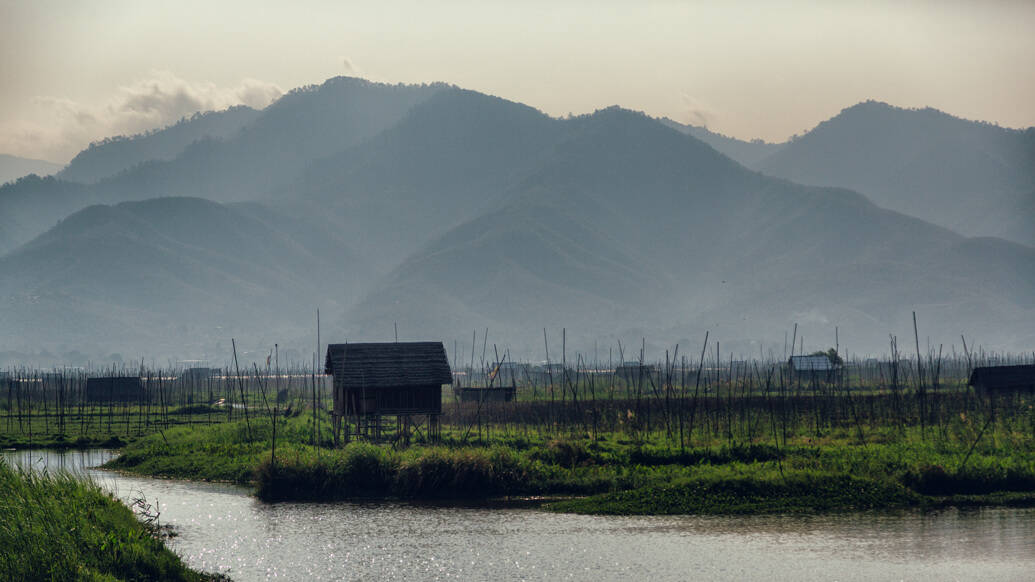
1003,377
384,365
115,383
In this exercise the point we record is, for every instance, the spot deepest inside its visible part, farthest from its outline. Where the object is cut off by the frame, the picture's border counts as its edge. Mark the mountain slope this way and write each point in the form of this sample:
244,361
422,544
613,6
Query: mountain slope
748,153
113,155
13,167
630,227
262,155
445,210
975,178
448,160
169,272
300,127
32,204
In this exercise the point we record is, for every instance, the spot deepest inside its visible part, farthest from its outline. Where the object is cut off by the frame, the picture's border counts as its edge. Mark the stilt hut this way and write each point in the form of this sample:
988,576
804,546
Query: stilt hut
374,380
1003,379
114,389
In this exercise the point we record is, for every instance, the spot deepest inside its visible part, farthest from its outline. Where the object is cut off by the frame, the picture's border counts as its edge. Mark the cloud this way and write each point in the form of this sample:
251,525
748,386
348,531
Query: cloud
697,112
351,68
165,98
65,126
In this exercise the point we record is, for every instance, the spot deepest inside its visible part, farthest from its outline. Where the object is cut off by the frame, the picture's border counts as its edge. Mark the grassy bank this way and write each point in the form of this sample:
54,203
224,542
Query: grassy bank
62,441
763,492
59,527
607,473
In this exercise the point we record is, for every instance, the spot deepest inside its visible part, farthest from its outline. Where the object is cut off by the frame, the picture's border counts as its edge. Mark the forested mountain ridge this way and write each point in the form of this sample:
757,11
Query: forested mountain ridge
113,155
748,153
973,177
14,167
630,226
261,155
445,210
175,273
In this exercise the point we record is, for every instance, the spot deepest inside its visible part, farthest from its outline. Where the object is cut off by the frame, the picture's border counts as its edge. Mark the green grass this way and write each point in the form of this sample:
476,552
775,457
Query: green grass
762,492
61,527
97,426
98,440
618,475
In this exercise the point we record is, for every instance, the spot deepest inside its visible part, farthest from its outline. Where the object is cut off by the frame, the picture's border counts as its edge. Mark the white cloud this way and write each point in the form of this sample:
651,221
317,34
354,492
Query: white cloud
65,126
697,112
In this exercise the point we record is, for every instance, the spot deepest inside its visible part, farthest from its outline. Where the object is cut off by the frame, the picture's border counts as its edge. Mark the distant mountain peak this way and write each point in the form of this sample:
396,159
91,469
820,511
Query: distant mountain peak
970,176
875,111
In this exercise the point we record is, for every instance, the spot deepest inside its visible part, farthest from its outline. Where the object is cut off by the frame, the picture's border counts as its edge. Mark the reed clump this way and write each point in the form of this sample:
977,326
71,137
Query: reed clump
366,471
762,492
62,527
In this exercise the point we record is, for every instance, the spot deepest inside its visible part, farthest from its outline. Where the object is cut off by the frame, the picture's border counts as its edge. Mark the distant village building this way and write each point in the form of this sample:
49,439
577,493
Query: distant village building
547,372
114,389
372,380
1002,379
633,371
512,372
199,374
485,393
501,384
812,367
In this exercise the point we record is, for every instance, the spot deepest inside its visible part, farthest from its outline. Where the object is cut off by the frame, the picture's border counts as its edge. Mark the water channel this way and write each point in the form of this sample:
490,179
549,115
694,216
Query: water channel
221,528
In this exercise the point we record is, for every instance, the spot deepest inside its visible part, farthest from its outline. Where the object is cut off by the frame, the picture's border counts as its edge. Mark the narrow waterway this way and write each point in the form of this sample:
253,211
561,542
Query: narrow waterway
221,528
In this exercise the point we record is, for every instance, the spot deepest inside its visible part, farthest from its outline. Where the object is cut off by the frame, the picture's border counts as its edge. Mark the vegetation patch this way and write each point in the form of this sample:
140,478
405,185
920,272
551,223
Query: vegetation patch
620,476
60,527
793,493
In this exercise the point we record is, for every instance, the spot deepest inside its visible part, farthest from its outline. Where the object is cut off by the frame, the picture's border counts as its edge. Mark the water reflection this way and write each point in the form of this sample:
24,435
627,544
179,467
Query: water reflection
223,529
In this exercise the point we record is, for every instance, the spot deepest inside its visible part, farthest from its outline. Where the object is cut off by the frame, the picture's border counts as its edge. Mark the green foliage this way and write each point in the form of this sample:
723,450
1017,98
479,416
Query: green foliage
760,492
741,442
831,355
60,527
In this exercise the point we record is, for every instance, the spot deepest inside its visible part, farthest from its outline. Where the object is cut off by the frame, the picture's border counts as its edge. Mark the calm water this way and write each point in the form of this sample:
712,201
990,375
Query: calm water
222,529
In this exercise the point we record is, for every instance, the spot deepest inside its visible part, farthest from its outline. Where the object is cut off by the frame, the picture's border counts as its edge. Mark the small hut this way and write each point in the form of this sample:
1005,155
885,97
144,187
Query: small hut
372,380
485,393
633,372
199,374
114,389
1003,379
816,366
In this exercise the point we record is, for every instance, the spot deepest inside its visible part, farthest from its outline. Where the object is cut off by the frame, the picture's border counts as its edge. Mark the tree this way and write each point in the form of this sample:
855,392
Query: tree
832,355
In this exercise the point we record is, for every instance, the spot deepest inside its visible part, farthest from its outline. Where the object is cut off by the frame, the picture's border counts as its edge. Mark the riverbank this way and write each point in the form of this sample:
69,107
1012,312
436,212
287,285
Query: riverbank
607,474
62,527
61,442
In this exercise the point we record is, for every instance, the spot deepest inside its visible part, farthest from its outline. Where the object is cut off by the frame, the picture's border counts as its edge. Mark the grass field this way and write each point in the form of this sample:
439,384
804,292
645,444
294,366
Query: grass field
62,527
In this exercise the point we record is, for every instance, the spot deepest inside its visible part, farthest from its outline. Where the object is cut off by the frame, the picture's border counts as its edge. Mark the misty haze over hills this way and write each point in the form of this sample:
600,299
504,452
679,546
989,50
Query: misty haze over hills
975,178
748,153
445,211
257,157
13,167
114,155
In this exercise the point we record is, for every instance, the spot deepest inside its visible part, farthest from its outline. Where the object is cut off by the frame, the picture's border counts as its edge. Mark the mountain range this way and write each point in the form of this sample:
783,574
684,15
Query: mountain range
14,167
436,211
975,178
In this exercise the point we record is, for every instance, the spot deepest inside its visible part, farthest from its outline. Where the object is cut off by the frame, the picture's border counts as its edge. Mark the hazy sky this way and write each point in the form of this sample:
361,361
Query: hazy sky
71,71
